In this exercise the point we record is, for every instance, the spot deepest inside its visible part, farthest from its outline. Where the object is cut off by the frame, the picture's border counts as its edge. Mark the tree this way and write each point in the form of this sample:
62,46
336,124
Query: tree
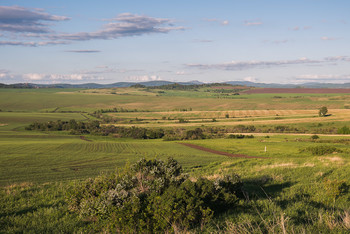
323,111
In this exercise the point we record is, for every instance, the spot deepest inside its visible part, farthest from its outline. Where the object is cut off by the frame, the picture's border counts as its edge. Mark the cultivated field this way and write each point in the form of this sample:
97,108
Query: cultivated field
294,181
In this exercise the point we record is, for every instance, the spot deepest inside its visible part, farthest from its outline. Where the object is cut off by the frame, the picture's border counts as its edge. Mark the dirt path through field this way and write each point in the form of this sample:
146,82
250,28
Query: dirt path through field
84,139
218,152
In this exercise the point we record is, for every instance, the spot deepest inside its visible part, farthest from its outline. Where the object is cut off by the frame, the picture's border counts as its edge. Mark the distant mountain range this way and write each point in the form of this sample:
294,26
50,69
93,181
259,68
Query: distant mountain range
159,83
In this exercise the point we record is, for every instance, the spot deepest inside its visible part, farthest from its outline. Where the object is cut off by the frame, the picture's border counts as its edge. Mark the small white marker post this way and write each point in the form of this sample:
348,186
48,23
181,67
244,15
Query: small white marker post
265,149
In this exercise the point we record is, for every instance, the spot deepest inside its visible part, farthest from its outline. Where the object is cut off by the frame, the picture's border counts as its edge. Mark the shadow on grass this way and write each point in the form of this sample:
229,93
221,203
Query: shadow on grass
263,187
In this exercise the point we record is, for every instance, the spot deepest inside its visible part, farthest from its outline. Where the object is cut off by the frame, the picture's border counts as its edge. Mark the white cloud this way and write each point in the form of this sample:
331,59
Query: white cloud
4,73
250,79
328,38
225,22
34,76
180,73
144,78
222,22
59,77
252,23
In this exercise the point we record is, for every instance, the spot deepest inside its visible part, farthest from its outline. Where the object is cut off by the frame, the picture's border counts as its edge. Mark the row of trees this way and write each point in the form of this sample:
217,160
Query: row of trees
94,127
59,125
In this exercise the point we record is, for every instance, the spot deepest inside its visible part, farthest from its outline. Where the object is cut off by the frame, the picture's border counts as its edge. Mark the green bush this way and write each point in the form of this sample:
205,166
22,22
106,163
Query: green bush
344,130
321,150
314,137
152,196
239,136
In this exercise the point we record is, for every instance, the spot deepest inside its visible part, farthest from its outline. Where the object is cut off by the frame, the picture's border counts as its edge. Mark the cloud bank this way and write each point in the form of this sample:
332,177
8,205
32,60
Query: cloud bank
124,25
246,65
19,19
33,27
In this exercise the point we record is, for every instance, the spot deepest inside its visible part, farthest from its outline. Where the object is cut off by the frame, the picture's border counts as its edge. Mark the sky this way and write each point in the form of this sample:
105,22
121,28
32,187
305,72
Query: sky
107,41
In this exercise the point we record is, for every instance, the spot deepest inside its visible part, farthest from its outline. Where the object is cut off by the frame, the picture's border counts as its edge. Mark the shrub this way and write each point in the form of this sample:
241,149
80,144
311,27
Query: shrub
344,130
181,120
195,134
239,136
314,137
321,150
152,196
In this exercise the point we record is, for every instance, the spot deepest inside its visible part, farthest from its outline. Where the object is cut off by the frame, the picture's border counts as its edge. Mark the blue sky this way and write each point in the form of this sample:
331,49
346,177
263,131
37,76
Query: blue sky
270,41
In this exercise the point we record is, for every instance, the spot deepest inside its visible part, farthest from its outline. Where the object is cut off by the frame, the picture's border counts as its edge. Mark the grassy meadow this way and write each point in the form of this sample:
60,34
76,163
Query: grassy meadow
290,189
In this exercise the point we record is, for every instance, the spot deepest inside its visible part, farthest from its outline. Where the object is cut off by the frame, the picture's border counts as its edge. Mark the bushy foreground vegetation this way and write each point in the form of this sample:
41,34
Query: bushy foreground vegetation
153,196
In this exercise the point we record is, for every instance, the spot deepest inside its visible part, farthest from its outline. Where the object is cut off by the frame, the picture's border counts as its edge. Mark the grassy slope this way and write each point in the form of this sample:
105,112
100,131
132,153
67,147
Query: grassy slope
289,183
40,158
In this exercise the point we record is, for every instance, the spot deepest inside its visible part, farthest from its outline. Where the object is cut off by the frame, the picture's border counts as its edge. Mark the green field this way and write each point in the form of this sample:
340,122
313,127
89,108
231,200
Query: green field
289,189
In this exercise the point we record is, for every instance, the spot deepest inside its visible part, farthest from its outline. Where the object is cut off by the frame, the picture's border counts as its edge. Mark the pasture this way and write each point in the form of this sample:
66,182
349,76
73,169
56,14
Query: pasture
290,186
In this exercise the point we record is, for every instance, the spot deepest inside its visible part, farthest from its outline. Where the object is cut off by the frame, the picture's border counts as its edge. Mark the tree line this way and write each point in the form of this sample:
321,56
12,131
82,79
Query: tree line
96,128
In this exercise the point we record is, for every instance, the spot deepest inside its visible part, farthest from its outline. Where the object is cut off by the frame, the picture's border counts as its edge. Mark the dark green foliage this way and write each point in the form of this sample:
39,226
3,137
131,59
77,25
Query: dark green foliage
138,86
323,111
195,134
321,150
244,128
344,130
195,87
314,137
93,127
152,196
83,127
239,136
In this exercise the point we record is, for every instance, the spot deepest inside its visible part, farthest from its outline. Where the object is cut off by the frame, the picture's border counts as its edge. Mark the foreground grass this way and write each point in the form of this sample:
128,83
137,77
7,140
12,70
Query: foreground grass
288,191
36,209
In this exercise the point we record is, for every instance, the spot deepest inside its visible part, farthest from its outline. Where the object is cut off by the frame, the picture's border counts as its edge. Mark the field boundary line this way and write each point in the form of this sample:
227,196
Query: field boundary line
218,152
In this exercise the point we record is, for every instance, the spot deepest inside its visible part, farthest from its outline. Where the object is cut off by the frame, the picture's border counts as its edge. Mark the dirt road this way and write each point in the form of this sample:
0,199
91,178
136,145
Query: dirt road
219,152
